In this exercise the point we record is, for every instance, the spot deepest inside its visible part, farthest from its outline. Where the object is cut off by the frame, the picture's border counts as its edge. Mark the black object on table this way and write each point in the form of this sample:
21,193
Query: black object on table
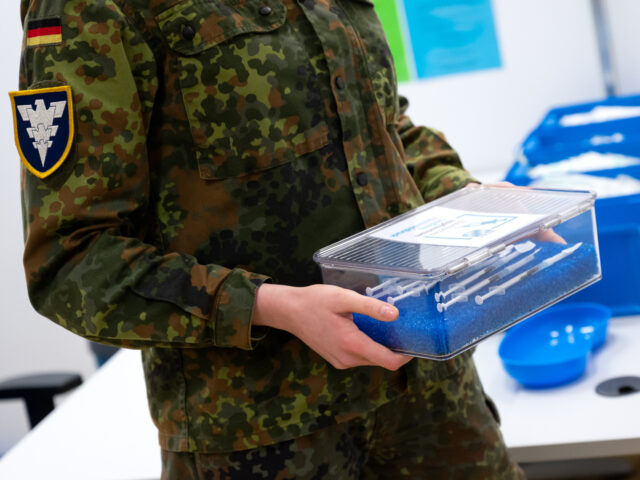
38,391
619,386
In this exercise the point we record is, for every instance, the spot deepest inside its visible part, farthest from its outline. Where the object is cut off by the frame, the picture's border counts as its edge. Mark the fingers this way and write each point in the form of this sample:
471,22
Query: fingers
347,301
357,349
502,185
330,331
550,236
494,184
377,354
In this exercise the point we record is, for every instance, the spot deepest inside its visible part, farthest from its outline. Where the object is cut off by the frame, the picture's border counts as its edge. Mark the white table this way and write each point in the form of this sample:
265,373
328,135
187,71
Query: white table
103,430
572,421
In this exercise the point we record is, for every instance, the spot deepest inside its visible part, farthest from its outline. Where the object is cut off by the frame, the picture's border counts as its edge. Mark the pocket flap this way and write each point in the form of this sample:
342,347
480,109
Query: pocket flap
195,25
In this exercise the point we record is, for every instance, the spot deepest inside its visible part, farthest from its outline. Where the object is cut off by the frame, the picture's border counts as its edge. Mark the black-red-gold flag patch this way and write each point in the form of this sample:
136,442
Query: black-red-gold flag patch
45,31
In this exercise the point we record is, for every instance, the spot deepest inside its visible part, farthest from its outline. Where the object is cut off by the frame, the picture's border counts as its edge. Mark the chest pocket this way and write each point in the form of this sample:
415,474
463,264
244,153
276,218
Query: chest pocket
247,85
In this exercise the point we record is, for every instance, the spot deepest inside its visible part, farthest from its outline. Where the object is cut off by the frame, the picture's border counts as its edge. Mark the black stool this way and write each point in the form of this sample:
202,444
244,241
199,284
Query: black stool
38,391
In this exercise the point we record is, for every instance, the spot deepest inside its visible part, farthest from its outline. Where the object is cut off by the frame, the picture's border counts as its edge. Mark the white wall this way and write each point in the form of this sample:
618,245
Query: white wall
28,342
549,57
624,18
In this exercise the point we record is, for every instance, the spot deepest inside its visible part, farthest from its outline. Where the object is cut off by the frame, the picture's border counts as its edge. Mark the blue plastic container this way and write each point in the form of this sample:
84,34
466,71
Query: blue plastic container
537,360
551,130
532,156
457,272
552,347
550,141
590,319
618,217
619,241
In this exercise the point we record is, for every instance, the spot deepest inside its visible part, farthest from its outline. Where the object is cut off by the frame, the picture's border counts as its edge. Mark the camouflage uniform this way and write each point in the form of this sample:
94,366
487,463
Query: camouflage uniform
218,144
422,434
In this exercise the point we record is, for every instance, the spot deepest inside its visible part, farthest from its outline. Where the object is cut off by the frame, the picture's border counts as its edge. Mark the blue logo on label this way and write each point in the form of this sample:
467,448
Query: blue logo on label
43,128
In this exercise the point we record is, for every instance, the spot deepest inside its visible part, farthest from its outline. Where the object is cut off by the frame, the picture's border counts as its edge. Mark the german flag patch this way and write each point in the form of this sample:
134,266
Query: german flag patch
45,31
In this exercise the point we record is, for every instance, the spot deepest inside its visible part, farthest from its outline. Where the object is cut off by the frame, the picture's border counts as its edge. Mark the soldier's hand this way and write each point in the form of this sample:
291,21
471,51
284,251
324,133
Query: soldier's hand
321,316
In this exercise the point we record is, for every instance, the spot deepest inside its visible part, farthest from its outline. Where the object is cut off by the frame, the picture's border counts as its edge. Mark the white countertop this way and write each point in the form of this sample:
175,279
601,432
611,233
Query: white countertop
102,431
571,421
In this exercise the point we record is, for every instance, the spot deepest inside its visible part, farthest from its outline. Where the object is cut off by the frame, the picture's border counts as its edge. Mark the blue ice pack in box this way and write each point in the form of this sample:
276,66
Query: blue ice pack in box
468,265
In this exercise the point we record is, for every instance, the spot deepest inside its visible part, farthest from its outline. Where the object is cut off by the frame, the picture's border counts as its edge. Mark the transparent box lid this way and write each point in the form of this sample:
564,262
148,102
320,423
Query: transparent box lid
455,231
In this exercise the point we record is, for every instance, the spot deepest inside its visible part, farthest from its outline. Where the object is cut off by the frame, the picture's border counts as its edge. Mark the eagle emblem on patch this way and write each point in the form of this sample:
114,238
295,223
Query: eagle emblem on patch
43,127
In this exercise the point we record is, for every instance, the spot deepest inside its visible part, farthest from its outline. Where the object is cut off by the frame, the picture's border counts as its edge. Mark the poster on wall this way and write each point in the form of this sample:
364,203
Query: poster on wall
430,38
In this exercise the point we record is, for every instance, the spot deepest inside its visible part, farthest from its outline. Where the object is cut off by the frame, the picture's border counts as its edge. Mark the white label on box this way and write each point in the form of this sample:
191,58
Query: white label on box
459,228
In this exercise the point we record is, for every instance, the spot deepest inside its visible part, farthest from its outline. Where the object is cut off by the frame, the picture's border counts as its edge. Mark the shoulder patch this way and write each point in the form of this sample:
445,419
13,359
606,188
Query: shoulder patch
43,127
45,31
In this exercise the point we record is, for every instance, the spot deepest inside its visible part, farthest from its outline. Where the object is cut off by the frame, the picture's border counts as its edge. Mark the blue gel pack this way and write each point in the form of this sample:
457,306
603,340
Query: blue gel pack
421,328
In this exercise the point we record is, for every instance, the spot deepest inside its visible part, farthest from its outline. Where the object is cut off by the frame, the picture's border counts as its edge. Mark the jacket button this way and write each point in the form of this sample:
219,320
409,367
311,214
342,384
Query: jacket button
266,10
188,33
340,83
362,179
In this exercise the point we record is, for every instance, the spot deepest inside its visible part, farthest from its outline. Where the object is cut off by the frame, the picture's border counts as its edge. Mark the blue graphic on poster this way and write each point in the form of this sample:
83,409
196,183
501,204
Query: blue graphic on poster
449,36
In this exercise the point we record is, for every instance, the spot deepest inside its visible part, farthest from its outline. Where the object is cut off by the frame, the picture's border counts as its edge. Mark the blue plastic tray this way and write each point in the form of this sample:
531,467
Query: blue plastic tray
532,156
550,131
618,220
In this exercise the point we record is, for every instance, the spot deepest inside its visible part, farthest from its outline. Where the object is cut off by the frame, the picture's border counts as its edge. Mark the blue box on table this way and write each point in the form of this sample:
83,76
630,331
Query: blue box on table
533,161
609,128
613,119
619,242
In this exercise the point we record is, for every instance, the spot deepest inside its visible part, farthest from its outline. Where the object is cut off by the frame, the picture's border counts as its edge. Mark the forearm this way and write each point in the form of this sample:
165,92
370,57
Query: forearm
121,291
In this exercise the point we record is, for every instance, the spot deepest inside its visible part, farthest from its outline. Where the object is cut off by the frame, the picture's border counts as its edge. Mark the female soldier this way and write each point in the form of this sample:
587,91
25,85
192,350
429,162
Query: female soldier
183,161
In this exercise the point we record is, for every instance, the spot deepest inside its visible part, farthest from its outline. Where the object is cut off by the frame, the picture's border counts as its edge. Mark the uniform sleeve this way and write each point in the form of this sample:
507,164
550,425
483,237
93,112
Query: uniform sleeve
434,165
87,265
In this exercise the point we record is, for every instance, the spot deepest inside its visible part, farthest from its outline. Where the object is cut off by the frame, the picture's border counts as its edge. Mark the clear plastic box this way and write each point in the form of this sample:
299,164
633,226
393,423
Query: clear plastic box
468,265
